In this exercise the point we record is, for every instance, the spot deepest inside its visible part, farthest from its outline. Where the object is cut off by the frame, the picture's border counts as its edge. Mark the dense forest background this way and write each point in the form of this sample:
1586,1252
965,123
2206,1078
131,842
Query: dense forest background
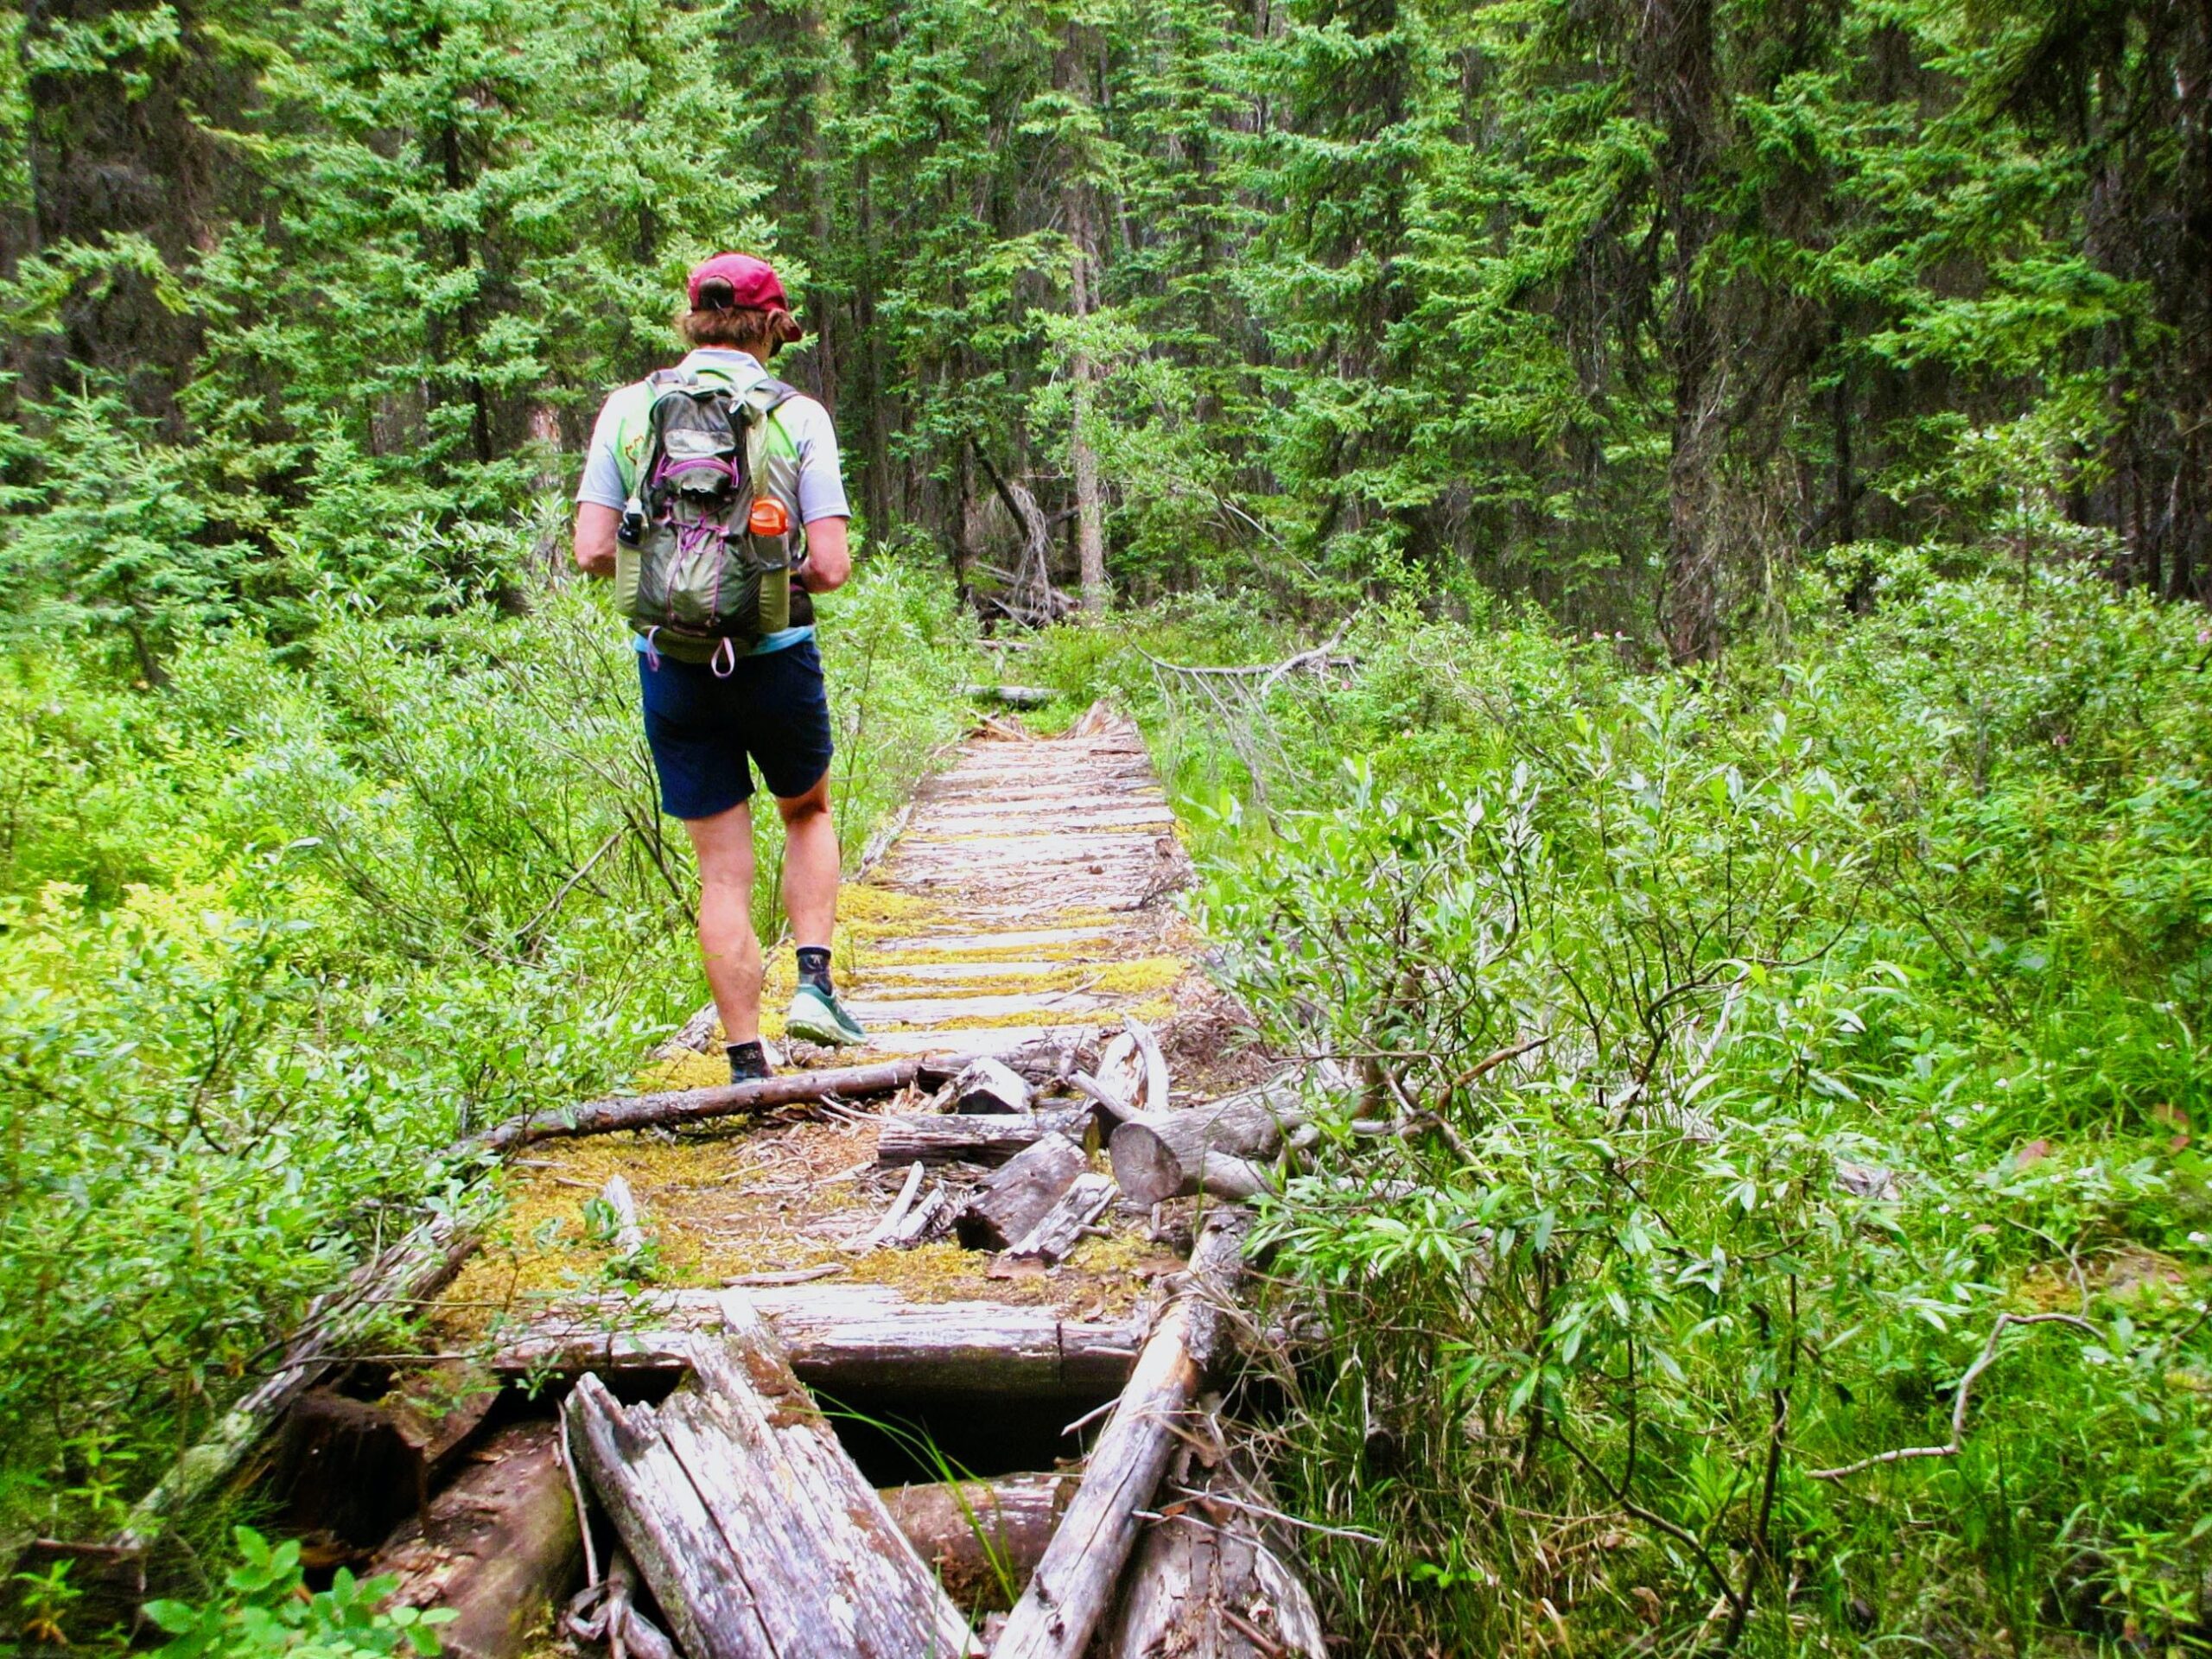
1635,309
1753,460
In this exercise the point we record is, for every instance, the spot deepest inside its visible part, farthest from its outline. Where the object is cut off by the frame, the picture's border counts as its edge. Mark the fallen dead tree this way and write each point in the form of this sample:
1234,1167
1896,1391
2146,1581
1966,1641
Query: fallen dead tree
621,1112
1073,1585
419,1266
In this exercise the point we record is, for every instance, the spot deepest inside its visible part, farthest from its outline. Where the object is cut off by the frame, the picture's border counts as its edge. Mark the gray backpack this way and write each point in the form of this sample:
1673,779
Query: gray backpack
709,536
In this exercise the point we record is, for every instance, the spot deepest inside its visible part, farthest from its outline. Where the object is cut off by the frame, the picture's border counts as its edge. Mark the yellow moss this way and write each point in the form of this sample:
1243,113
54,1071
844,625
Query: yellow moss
918,955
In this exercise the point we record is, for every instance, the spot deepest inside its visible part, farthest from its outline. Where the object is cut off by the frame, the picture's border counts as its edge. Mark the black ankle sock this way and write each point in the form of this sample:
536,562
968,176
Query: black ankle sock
748,1062
814,968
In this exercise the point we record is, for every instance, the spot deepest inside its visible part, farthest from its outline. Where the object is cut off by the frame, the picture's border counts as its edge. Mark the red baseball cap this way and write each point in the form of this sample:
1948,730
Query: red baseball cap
751,282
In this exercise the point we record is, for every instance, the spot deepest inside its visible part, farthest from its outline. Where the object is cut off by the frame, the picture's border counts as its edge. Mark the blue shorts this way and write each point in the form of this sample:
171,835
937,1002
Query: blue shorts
703,729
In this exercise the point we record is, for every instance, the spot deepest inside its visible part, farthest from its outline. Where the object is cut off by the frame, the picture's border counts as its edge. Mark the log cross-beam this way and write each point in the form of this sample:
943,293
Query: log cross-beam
1074,1583
693,1105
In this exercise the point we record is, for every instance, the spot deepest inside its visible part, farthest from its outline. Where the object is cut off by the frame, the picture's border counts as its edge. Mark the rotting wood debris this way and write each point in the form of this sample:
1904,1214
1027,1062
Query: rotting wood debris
933,1223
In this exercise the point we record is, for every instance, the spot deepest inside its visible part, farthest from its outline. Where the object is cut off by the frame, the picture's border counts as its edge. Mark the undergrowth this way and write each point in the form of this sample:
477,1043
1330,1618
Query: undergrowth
1738,1063
273,934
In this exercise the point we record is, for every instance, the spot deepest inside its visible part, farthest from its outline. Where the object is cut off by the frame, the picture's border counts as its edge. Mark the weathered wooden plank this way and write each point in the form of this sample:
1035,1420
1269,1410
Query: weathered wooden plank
1073,1585
1019,1194
969,1137
756,1533
843,1338
1205,1583
499,1546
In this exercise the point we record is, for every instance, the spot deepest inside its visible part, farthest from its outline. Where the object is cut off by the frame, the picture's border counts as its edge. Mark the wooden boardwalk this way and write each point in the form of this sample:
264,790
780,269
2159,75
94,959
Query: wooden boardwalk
968,1269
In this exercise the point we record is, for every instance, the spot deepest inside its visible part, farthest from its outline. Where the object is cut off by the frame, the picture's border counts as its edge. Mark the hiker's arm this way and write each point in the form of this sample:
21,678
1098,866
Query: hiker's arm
595,527
828,559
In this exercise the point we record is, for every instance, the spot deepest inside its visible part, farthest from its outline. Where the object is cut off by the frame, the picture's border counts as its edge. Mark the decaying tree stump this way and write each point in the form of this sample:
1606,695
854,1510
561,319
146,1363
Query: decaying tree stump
757,1535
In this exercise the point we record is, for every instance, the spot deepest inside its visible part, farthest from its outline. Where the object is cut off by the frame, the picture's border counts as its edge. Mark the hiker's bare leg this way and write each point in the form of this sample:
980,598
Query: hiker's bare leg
727,942
810,864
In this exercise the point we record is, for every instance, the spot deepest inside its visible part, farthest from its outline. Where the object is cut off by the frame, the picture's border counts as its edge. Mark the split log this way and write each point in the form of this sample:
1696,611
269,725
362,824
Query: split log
970,1138
1113,1108
1121,1071
991,1085
756,1533
417,1268
844,1338
1018,1196
1059,1231
499,1546
1205,1584
1161,1155
630,1633
1044,1061
694,1105
1073,1585
979,1534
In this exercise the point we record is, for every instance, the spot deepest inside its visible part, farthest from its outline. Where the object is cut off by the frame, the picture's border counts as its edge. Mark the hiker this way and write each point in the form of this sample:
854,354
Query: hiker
711,496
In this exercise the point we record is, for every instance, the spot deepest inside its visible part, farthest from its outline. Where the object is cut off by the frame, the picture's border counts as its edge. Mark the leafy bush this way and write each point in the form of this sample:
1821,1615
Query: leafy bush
1756,1061
274,935
270,1610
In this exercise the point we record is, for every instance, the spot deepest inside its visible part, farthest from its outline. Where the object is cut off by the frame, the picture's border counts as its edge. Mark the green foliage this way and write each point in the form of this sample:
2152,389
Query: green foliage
1751,1046
270,1610
274,935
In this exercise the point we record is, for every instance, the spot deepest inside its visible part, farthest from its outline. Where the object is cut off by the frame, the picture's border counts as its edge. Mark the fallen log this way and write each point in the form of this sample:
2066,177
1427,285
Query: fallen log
1073,1585
1154,1063
1019,1194
1161,1155
757,1535
1204,1584
1015,696
419,1266
499,1546
983,1537
1044,1061
844,1338
694,1105
971,1138
1059,1231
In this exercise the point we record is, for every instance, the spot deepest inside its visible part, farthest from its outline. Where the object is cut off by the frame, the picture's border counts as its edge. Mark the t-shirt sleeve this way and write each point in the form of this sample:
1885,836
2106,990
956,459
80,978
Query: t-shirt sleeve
602,481
820,484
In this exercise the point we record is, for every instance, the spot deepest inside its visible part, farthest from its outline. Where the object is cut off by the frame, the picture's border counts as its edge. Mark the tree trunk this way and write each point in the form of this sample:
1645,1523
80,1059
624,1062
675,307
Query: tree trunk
499,1546
970,1137
1073,1585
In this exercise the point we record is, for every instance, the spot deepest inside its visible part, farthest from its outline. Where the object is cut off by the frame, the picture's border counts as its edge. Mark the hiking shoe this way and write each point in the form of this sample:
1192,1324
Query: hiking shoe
817,1016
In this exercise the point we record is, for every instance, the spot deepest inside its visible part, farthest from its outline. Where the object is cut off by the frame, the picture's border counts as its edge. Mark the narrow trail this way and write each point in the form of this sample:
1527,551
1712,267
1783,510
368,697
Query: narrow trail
975,1275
